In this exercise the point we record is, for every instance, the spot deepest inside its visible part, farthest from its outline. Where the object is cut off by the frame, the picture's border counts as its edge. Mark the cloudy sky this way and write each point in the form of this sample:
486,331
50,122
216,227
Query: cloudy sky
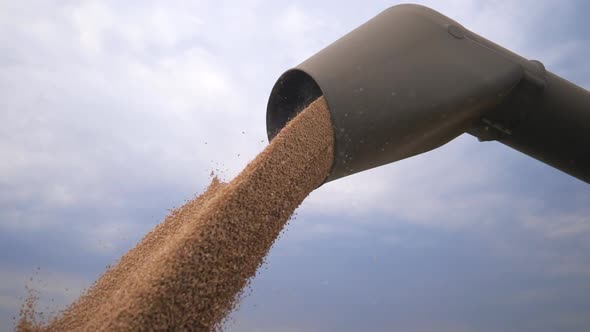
113,112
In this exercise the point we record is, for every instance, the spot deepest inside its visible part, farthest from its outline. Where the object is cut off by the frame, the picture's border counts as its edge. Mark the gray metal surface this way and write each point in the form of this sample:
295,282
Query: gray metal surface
411,80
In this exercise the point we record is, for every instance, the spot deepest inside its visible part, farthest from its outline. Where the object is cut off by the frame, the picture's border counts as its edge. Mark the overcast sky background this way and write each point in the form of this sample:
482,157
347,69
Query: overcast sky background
113,112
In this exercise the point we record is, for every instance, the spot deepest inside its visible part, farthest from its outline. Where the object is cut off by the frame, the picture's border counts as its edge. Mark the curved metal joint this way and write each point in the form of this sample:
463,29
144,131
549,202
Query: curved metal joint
403,83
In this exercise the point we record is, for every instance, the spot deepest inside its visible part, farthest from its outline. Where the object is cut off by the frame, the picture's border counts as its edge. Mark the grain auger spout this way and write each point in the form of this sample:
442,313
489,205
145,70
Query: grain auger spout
411,80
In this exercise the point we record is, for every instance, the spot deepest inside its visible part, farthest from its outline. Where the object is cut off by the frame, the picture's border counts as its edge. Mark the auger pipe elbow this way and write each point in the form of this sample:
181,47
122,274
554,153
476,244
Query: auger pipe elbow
411,79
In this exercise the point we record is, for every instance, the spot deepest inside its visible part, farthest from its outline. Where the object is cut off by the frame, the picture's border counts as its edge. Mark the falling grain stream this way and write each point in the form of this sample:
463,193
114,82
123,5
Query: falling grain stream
187,273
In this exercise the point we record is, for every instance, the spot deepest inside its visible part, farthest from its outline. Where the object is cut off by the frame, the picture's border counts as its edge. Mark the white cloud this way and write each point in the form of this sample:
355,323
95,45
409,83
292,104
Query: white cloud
163,93
92,20
156,93
559,225
447,187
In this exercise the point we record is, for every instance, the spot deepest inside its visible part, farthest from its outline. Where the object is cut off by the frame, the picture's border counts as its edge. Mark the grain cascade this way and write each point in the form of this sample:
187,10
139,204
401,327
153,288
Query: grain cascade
188,272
